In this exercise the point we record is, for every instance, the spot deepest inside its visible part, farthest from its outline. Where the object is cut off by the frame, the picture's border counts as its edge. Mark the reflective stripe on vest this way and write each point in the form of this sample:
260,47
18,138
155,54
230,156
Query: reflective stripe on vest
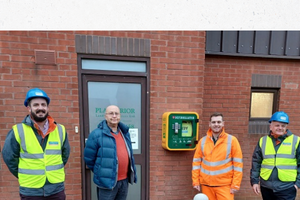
35,165
221,162
285,159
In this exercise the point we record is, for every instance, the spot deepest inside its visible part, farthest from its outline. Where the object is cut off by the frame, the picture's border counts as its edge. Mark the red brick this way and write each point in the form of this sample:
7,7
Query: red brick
57,35
19,45
9,38
38,34
10,51
4,57
29,39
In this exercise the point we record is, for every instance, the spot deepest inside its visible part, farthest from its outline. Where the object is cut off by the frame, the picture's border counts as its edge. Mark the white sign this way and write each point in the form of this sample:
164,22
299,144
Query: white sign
134,133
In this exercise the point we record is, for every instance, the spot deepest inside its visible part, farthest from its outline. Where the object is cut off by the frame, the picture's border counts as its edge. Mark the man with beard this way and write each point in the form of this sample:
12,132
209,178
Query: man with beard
36,151
218,162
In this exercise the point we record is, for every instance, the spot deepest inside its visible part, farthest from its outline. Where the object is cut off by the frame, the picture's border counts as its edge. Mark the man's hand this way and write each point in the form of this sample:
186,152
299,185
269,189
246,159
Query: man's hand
256,189
197,187
296,187
232,191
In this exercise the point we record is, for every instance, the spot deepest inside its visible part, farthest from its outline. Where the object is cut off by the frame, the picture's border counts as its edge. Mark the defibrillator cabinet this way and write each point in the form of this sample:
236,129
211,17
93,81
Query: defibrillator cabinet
180,131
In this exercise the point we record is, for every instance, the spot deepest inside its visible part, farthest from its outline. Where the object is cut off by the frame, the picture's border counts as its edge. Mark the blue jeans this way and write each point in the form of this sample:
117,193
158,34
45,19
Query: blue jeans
118,193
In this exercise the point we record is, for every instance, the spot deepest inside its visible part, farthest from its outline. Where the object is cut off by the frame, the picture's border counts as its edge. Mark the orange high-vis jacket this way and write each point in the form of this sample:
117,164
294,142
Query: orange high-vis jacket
218,164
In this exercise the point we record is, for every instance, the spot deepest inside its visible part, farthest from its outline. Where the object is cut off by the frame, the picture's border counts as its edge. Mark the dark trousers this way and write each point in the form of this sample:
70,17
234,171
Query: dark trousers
58,196
118,193
288,194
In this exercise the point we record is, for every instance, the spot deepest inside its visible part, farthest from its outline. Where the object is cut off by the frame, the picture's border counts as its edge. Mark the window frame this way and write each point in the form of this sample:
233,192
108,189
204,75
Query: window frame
275,91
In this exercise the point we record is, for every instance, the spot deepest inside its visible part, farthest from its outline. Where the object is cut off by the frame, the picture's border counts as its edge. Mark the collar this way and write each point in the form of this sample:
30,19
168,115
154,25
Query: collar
51,125
118,130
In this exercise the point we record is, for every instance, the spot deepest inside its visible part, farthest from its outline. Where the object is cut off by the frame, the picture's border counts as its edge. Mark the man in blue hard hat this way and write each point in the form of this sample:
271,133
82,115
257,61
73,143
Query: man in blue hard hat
36,151
276,162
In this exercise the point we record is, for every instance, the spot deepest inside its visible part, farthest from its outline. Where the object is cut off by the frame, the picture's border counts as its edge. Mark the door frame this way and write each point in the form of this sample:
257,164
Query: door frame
86,75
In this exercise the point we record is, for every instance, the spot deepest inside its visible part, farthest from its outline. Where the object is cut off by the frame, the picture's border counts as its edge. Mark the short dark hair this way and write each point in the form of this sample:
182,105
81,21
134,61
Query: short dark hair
216,114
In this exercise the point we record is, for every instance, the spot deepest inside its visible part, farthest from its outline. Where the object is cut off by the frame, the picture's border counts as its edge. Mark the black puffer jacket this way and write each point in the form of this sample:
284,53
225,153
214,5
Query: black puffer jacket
273,182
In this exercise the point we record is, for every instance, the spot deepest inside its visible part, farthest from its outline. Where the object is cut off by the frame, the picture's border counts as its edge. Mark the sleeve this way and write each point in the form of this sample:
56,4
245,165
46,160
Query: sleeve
66,150
256,165
90,150
298,166
237,159
196,165
11,153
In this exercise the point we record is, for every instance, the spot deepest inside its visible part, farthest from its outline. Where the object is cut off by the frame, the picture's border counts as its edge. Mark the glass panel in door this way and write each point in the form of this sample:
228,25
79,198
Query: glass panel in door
128,97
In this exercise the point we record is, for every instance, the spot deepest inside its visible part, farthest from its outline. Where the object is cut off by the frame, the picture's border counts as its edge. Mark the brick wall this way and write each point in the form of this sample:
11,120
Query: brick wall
227,86
177,69
177,74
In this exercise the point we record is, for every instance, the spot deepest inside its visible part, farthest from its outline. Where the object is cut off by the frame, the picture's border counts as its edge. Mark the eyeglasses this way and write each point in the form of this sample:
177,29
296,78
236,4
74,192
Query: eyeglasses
113,113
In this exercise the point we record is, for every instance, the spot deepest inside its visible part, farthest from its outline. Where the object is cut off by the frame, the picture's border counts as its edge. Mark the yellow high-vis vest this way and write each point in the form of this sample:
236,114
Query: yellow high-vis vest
35,165
285,160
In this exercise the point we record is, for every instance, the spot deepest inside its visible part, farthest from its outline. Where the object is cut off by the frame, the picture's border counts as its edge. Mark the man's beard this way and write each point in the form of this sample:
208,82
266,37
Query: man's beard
37,118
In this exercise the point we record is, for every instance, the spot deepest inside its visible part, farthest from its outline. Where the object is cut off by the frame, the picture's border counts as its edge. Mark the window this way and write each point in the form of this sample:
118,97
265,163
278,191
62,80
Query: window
264,98
264,103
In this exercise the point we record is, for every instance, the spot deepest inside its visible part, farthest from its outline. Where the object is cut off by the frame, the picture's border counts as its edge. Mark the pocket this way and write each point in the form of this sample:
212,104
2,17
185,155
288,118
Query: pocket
294,191
61,195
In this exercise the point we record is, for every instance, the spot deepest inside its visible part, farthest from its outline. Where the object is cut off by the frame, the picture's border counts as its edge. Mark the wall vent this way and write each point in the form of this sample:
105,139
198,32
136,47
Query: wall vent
45,57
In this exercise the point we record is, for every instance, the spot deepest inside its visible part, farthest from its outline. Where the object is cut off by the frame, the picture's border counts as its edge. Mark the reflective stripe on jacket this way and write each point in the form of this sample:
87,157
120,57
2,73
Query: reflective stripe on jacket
284,160
218,164
35,165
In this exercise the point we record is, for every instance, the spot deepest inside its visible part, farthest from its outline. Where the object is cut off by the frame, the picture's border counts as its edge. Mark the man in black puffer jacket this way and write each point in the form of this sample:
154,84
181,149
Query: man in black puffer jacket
276,162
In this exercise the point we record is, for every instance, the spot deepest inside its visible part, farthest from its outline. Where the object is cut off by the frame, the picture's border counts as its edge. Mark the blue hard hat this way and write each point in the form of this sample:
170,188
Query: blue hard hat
280,116
36,93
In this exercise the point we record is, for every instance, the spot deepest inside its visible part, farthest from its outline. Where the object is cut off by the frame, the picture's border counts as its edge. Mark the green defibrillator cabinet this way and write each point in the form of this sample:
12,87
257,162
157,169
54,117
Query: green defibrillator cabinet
180,131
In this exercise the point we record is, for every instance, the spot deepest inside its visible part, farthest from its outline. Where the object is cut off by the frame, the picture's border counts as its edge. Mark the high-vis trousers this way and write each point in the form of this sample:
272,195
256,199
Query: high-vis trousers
217,192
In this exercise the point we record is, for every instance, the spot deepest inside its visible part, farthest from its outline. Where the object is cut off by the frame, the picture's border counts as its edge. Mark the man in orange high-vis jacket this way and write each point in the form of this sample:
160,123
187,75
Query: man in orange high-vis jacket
218,162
